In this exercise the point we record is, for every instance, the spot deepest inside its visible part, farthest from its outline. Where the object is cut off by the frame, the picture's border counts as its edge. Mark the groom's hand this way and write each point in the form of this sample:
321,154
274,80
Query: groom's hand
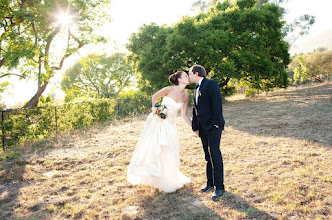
196,132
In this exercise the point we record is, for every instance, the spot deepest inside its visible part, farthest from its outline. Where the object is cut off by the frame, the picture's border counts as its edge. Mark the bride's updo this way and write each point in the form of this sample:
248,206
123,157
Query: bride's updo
174,78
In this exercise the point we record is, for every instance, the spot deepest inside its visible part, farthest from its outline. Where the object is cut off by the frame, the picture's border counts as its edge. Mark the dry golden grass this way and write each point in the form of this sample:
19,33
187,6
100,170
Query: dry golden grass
277,158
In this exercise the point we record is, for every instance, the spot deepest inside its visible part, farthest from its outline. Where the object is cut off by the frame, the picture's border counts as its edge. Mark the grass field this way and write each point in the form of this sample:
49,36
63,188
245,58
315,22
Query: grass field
277,151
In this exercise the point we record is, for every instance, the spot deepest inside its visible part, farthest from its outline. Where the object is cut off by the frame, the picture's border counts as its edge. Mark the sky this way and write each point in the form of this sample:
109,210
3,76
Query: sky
169,12
321,9
129,15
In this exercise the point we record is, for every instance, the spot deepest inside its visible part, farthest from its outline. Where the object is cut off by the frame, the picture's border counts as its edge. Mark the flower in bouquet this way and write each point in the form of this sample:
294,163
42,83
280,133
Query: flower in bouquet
160,110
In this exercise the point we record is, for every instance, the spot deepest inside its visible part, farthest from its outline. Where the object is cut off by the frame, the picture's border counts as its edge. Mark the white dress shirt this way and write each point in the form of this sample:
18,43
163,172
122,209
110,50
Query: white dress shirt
197,90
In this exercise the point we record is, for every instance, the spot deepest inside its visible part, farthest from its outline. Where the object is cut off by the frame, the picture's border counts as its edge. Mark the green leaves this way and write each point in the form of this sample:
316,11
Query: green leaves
243,43
298,27
98,75
316,66
22,125
245,4
38,36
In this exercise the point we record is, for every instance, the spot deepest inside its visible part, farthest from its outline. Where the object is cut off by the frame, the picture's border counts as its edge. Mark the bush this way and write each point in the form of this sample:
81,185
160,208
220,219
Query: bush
20,125
250,92
228,90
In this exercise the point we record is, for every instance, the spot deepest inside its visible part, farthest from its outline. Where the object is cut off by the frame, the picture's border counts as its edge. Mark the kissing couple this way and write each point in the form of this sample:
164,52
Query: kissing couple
156,161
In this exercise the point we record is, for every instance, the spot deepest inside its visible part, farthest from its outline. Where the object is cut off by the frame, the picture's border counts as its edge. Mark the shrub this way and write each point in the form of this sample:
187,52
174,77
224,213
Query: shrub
20,125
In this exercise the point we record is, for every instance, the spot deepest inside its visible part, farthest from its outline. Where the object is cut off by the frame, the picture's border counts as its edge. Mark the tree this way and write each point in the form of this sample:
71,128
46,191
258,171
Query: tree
299,27
202,6
32,31
99,75
242,42
291,31
147,56
300,72
199,5
316,65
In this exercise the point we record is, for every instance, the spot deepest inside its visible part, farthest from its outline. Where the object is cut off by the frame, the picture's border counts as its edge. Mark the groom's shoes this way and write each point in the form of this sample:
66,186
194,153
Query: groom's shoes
207,188
217,194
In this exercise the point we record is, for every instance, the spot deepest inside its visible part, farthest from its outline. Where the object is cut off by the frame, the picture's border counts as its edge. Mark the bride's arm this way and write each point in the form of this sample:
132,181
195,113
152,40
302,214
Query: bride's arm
184,111
161,93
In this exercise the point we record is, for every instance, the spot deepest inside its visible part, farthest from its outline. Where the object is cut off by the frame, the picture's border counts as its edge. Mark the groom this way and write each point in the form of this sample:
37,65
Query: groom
208,122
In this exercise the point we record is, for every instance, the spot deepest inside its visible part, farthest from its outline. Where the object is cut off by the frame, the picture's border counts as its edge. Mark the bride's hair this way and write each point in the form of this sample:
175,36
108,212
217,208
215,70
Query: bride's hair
174,78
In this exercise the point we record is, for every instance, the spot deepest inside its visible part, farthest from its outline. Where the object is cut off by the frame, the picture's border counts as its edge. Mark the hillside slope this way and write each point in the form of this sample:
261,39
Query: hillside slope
277,151
322,40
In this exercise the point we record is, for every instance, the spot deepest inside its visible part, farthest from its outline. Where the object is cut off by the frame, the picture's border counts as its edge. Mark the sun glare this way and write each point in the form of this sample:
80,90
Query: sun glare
64,18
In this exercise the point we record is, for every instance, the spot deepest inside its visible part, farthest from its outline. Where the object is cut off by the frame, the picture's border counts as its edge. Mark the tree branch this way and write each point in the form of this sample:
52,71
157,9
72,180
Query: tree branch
50,39
13,74
2,61
7,31
69,53
34,31
224,82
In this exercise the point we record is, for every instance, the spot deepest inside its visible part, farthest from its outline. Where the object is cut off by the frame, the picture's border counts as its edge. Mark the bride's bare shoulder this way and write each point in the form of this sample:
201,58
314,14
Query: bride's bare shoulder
166,89
171,87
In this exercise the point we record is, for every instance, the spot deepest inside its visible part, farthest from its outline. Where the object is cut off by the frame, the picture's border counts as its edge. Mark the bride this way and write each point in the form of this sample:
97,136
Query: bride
155,161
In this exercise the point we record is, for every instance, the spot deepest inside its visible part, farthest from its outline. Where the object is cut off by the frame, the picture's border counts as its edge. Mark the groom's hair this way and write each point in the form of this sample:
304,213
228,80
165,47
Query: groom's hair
200,69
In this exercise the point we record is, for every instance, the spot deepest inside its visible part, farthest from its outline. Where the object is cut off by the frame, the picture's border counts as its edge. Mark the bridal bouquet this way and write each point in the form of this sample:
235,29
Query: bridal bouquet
160,110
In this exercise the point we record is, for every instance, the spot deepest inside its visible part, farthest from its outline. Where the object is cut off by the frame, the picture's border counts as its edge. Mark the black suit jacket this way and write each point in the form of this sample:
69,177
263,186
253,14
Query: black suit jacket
208,112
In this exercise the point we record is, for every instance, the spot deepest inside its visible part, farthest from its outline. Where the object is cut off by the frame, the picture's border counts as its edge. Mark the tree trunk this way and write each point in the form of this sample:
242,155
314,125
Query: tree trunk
224,82
2,61
41,88
35,99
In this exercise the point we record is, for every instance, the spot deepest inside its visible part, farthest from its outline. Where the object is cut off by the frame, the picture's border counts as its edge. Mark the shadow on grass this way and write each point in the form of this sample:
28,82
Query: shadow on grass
15,175
304,114
235,202
184,204
12,169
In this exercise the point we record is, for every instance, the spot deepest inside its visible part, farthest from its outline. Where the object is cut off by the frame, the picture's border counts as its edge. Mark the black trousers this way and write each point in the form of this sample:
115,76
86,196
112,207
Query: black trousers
214,163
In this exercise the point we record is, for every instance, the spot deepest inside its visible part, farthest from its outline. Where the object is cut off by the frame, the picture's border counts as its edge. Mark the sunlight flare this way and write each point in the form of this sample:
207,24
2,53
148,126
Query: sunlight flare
64,18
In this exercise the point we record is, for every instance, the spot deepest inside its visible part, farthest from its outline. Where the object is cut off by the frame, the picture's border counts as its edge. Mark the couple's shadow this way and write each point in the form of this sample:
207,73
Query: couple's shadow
185,204
238,203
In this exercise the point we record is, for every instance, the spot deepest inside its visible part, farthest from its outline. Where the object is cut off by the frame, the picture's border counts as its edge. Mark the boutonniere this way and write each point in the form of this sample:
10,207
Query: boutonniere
199,93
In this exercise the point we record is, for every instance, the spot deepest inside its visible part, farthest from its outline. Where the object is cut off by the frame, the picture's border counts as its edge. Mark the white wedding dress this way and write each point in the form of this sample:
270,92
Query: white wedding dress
155,161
